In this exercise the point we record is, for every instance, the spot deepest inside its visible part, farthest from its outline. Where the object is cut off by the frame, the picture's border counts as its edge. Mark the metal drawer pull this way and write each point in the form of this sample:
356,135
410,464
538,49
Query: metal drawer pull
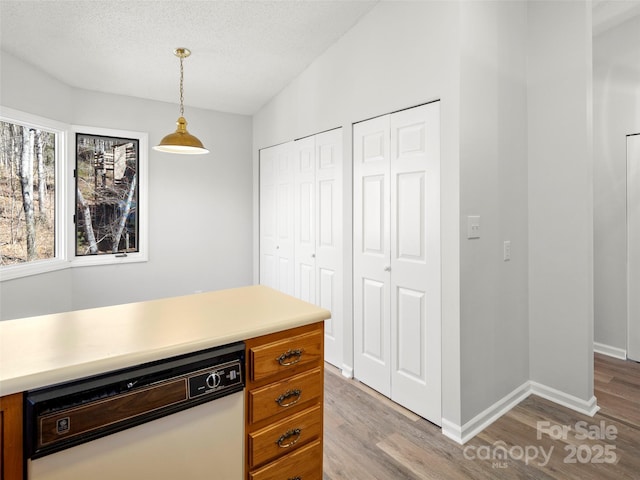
294,478
289,393
291,433
282,359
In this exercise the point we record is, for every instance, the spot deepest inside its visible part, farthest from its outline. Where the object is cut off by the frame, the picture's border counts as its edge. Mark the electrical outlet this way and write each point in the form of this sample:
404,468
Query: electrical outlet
506,250
473,226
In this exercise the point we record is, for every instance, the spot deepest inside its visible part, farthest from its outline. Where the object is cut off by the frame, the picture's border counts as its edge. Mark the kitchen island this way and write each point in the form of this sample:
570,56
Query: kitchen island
49,349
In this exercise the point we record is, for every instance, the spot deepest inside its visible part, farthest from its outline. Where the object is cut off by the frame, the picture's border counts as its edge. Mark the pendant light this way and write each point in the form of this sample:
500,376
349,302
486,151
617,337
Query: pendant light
181,141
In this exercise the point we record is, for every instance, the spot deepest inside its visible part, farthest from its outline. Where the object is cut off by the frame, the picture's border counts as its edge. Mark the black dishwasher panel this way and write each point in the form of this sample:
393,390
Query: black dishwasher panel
68,414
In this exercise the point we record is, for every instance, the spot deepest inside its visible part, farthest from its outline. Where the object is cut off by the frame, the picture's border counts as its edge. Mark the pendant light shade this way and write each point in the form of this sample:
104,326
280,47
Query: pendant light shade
181,141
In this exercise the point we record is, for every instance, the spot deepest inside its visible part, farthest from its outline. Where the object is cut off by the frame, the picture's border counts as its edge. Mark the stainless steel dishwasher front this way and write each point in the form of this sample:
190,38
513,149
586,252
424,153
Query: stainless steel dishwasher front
177,419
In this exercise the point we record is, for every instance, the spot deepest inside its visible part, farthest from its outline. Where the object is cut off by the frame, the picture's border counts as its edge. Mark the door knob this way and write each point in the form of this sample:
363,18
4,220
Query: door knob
387,268
313,255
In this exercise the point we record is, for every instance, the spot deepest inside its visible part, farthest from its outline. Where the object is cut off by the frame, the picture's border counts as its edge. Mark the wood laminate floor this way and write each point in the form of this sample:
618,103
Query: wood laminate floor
368,437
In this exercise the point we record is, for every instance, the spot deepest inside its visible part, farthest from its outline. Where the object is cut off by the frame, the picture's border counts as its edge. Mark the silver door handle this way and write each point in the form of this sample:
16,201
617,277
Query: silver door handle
387,268
313,255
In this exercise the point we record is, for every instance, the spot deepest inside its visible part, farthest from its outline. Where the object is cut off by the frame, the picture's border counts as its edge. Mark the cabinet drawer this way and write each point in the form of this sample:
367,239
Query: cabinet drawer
285,436
284,395
282,355
305,464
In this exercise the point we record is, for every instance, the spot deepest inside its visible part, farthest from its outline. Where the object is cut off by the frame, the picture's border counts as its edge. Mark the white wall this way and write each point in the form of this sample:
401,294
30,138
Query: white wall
616,88
200,232
560,186
399,55
493,184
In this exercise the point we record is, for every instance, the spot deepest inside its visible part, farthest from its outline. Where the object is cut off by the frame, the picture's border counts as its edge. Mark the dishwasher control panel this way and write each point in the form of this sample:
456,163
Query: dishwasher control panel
222,377
69,414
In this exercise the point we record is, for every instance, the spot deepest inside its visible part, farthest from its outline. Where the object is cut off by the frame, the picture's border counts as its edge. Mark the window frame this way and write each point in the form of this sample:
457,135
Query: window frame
65,197
60,259
142,255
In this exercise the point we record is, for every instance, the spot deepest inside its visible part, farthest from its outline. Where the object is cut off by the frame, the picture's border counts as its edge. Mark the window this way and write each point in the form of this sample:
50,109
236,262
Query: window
59,207
109,196
106,195
31,232
27,189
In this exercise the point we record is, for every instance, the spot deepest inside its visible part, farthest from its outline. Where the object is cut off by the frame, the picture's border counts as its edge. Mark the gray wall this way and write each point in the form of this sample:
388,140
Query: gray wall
200,210
616,88
560,183
493,184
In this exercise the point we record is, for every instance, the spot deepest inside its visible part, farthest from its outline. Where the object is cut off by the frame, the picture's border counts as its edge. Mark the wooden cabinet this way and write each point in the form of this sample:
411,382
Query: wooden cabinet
306,462
11,437
284,404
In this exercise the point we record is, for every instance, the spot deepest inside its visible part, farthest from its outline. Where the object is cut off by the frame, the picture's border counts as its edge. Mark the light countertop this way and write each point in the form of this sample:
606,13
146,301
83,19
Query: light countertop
48,349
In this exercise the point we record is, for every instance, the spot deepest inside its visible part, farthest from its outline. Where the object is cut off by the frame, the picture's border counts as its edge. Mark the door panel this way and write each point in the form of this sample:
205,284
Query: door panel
373,367
285,214
326,196
268,226
318,231
373,215
371,279
276,218
327,297
410,352
305,228
374,344
305,283
328,217
410,223
633,246
415,263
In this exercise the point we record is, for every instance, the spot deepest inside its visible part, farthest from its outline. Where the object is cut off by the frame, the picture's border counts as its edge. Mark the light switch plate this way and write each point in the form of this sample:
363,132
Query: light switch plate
473,226
506,250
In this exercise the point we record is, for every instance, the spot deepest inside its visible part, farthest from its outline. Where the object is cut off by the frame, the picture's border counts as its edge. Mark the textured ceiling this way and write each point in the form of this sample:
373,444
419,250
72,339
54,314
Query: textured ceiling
243,52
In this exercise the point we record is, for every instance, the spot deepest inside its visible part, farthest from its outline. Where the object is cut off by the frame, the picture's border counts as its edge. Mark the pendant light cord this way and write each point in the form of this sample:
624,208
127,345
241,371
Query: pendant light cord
181,88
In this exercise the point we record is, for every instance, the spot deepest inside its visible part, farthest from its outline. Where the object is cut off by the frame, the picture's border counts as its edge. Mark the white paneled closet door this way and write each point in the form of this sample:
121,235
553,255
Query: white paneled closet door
372,254
633,247
276,218
415,260
397,306
328,221
305,225
318,231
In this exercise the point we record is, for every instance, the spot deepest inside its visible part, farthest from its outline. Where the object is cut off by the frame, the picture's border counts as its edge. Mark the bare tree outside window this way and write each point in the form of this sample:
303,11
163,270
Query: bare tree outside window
27,194
106,195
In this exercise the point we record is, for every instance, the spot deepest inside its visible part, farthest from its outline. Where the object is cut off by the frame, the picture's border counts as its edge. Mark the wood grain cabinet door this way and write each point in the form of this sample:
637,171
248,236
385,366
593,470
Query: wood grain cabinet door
284,355
285,396
11,437
305,463
285,436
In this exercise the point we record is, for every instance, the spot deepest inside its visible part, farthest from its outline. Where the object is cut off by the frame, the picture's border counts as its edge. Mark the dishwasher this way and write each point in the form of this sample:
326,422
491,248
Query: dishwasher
178,418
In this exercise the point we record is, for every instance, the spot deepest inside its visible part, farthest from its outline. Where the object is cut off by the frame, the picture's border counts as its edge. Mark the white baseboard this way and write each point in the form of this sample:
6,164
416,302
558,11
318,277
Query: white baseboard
574,403
464,433
615,352
347,371
452,430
